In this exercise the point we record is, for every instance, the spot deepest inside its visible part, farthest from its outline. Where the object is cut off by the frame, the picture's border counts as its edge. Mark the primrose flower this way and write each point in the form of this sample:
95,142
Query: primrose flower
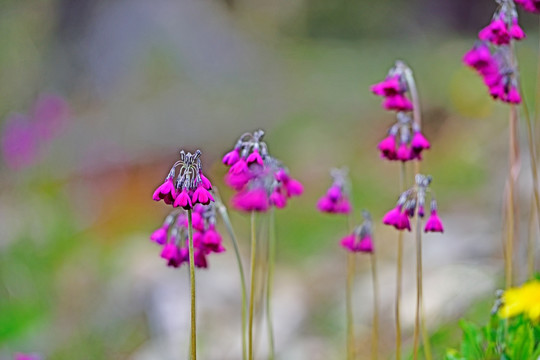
523,300
411,202
404,142
493,58
529,5
336,199
361,240
394,89
172,236
261,181
191,186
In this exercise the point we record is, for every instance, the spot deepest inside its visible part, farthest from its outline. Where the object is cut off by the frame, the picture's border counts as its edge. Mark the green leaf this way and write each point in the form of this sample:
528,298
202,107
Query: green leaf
471,347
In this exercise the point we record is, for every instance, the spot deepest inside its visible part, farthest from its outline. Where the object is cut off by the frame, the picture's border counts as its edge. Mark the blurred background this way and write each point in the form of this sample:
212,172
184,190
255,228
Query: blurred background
97,97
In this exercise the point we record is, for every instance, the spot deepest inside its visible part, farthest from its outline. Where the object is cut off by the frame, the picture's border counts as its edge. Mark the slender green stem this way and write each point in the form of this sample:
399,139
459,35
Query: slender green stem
349,309
399,275
375,333
270,282
418,285
192,283
512,206
535,204
228,225
349,282
252,285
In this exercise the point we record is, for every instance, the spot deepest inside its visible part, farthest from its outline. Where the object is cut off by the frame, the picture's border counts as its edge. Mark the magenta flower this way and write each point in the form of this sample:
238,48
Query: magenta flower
205,182
173,255
183,200
419,142
361,238
391,86
388,147
393,217
496,32
251,200
434,224
202,196
516,31
50,114
336,199
166,191
255,157
159,236
403,153
212,241
260,180
397,102
277,199
413,201
479,57
529,5
231,157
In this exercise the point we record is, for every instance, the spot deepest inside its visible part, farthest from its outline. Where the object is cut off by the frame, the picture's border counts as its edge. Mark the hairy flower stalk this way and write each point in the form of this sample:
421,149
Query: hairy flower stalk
361,241
412,143
190,191
412,203
262,183
228,225
494,58
337,201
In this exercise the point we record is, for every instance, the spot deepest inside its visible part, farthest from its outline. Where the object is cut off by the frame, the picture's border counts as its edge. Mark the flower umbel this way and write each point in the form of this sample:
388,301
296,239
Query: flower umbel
361,238
191,186
411,202
336,199
261,181
493,56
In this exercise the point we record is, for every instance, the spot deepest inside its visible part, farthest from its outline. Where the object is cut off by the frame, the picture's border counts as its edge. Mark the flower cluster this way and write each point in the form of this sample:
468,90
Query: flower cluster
529,5
393,89
336,199
404,142
361,238
411,202
522,300
173,236
191,186
492,56
260,180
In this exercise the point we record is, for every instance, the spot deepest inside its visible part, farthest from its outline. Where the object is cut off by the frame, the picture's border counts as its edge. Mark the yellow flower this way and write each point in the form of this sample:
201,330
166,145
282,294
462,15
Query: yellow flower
522,300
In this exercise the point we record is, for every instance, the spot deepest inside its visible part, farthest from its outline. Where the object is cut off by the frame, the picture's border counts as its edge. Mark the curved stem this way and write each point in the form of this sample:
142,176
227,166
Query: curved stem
418,285
375,333
535,204
228,225
399,275
270,282
252,285
192,283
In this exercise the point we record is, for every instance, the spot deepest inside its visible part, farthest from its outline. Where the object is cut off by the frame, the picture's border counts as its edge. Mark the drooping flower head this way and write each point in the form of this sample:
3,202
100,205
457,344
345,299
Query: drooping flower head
173,236
405,140
361,240
412,202
493,57
261,181
530,5
394,89
336,200
191,187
